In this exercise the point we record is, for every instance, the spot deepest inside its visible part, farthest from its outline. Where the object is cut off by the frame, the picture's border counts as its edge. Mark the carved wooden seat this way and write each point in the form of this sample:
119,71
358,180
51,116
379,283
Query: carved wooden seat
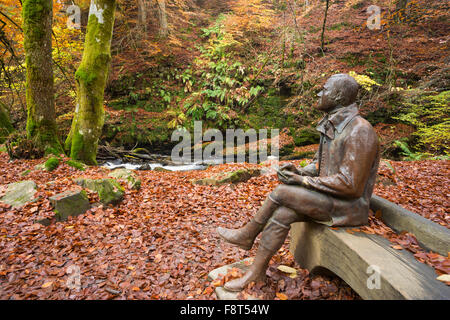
356,257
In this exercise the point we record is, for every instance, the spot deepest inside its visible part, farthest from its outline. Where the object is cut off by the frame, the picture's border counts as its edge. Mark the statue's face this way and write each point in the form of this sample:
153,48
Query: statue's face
327,97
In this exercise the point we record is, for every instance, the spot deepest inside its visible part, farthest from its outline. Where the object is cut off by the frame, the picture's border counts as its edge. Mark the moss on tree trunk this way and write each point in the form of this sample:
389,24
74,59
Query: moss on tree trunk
37,27
91,79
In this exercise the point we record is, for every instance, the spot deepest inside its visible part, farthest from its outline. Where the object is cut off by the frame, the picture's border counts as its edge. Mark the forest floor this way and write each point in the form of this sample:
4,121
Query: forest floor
160,242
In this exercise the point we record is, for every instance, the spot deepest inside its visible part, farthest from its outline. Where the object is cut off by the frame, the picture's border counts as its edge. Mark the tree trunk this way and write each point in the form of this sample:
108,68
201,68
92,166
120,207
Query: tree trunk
162,14
5,124
91,79
322,45
142,17
37,27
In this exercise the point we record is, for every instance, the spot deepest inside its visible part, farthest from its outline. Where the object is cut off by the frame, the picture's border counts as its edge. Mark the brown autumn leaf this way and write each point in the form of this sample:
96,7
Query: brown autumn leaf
281,296
47,284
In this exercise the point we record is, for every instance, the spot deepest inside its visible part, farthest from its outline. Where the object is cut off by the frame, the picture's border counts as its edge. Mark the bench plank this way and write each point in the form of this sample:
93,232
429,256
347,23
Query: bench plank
317,247
429,234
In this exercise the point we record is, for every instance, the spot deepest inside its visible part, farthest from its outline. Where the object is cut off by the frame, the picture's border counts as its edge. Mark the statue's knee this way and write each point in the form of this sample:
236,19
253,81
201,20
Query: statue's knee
285,216
277,194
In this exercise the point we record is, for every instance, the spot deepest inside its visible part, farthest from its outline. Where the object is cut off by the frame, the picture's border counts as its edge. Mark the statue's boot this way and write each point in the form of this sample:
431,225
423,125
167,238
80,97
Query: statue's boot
272,239
245,236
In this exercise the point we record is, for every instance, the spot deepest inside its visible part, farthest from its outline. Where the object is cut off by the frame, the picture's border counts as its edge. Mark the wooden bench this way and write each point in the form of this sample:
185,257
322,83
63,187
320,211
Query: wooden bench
356,258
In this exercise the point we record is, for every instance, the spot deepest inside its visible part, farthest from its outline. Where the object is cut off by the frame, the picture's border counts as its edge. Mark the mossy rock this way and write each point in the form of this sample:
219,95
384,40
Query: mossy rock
109,190
241,175
51,164
131,178
70,203
76,164
20,193
40,166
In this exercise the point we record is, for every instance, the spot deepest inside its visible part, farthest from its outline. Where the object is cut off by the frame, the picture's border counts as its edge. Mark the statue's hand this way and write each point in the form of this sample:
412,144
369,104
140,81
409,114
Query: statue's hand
292,178
289,167
283,178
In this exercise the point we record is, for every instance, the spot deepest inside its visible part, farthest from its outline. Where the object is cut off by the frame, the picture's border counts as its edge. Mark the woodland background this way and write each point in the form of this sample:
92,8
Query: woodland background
232,64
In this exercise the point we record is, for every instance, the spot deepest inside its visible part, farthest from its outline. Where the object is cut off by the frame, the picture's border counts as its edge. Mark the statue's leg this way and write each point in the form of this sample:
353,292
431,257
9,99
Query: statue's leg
245,236
296,204
305,202
272,239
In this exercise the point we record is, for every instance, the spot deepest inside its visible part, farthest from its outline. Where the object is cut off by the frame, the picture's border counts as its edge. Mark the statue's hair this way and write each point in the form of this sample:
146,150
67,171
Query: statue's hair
345,88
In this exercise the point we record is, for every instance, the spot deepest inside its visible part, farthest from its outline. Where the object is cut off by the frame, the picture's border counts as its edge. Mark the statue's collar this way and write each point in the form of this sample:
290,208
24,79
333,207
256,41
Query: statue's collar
339,118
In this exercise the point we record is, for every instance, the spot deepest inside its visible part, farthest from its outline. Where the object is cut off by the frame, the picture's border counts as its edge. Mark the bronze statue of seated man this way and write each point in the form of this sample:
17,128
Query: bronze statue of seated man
335,189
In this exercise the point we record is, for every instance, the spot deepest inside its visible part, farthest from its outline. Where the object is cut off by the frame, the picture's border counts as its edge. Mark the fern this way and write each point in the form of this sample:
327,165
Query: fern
408,154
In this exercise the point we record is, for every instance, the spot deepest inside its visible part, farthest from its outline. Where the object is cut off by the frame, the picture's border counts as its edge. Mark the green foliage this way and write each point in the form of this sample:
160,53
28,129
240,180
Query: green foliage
305,136
220,84
265,113
406,153
178,118
388,164
366,82
51,164
430,115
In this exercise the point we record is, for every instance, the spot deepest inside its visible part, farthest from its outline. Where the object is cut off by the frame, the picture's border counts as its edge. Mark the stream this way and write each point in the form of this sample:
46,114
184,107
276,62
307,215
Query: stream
165,164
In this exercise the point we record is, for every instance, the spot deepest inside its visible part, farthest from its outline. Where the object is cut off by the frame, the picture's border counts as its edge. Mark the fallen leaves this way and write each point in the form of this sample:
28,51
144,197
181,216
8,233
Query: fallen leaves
159,243
290,271
281,296
421,186
47,284
444,278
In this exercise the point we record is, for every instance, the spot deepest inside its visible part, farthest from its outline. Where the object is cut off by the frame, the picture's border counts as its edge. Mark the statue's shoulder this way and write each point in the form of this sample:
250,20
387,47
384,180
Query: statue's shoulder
358,121
363,127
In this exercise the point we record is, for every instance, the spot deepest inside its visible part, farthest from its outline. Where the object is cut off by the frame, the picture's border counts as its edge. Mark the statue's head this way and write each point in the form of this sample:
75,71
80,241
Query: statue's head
339,90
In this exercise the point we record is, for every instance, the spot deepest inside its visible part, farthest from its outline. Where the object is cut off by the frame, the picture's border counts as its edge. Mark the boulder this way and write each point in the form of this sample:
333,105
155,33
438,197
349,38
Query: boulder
76,164
109,190
20,193
128,176
241,175
40,166
51,164
70,203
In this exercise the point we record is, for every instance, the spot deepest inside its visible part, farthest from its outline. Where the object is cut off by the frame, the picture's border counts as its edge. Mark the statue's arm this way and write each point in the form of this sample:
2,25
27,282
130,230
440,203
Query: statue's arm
360,150
309,170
